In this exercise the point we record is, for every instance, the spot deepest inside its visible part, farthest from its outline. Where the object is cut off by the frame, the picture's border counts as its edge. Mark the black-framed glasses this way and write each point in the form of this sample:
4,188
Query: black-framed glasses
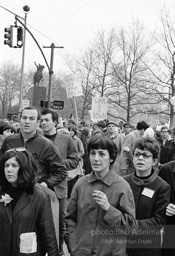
144,155
20,149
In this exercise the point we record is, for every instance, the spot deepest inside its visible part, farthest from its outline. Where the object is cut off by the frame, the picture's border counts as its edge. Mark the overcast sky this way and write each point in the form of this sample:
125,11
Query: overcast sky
71,23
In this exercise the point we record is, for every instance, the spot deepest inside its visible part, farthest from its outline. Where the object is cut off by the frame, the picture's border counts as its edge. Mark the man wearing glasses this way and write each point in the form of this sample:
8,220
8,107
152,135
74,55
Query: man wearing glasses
167,146
52,170
151,194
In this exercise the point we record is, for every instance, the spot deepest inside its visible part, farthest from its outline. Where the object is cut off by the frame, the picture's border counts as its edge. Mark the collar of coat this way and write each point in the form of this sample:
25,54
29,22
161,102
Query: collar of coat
35,135
108,179
114,135
138,181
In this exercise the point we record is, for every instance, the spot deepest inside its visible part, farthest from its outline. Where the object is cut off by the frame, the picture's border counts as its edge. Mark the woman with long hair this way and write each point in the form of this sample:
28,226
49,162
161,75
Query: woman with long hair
26,221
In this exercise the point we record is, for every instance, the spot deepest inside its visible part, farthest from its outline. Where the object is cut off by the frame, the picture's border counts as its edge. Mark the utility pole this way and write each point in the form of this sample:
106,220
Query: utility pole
51,71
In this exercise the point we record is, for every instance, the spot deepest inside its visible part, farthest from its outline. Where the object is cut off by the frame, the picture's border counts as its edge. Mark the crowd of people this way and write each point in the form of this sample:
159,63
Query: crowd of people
115,186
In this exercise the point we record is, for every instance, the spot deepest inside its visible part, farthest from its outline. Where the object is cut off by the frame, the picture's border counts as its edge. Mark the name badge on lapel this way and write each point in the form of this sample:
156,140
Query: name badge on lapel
148,192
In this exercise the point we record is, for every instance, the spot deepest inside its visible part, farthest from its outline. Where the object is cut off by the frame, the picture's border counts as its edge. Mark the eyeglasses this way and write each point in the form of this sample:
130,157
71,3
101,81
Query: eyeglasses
144,155
20,149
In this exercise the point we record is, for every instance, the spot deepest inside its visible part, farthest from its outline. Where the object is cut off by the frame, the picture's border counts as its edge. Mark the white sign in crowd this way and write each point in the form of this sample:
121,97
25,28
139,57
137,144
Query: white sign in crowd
73,86
99,108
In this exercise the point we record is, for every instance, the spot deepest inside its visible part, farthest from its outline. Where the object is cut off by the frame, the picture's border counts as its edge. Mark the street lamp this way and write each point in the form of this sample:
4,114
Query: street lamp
26,9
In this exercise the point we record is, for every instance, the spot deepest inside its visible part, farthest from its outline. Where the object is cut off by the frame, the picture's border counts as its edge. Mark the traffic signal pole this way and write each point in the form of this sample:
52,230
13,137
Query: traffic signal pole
17,17
22,67
51,72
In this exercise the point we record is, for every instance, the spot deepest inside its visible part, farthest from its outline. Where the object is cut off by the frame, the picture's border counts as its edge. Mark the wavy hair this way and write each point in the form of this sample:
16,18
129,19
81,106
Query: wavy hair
27,170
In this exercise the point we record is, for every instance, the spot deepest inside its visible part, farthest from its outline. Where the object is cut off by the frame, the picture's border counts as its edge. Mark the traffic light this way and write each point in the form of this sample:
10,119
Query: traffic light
43,103
19,37
8,36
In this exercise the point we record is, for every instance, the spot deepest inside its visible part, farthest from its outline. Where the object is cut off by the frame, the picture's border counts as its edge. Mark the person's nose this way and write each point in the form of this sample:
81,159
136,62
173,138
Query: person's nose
9,169
96,157
27,120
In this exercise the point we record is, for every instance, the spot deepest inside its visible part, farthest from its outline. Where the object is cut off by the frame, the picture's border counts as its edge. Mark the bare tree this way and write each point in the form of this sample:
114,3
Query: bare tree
162,70
9,86
131,91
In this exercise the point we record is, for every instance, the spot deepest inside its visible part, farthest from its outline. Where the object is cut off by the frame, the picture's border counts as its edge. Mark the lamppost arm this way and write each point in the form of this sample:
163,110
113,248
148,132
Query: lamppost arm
11,12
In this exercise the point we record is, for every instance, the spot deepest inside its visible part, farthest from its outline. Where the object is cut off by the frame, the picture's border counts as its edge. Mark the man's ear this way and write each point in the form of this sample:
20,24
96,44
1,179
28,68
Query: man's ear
55,122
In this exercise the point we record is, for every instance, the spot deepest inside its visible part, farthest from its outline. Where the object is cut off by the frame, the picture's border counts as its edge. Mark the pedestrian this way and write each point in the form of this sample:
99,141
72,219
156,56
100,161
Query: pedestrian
85,137
6,130
126,128
151,195
25,210
167,146
52,170
67,149
73,176
113,134
126,158
100,207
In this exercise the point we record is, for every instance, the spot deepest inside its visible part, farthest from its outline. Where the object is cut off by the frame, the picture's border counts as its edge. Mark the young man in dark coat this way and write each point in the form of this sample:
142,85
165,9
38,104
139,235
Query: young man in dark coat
52,170
67,149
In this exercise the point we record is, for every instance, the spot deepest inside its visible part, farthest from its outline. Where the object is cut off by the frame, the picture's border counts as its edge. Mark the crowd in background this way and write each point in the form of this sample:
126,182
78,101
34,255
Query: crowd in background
76,146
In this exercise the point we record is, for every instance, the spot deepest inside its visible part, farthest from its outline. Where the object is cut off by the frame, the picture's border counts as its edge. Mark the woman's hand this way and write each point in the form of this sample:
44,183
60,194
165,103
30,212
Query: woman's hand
170,210
101,199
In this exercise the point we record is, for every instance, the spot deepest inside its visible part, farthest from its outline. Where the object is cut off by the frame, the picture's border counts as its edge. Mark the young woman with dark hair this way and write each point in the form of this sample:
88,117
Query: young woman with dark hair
26,221
101,206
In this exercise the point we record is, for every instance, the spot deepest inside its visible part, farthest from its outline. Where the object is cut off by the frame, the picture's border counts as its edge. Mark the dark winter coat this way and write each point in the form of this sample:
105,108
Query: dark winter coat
151,198
92,230
167,151
32,213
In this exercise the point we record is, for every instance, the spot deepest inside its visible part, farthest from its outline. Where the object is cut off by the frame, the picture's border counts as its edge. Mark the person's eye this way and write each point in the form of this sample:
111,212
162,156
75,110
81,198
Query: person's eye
145,155
137,154
14,165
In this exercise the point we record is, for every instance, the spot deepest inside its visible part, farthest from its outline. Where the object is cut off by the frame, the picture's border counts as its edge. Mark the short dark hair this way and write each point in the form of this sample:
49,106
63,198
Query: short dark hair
103,142
101,124
74,129
83,122
27,171
53,113
150,144
32,108
142,125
